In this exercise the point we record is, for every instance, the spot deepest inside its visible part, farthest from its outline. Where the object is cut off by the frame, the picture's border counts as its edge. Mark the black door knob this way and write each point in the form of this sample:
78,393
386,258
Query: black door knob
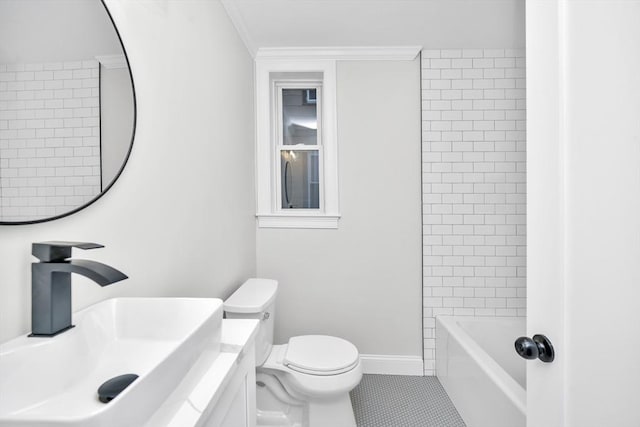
526,348
539,347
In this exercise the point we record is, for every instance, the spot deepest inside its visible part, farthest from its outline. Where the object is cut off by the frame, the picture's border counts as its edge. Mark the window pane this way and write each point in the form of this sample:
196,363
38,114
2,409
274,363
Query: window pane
300,179
299,117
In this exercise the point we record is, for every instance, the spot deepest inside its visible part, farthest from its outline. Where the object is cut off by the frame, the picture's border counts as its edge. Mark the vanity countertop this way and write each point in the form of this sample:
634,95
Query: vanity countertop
204,385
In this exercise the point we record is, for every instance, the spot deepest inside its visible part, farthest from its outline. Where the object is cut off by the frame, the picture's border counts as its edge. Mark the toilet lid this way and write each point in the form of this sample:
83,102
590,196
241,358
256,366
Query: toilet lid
320,355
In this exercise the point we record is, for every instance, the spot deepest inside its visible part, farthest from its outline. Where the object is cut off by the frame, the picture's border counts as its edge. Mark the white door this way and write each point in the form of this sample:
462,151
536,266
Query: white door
583,144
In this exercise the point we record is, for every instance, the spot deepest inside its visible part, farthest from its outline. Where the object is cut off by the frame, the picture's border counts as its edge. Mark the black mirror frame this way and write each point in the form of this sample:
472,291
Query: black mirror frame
126,159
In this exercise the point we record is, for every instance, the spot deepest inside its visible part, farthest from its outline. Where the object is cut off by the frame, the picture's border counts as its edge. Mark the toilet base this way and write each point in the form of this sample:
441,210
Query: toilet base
275,419
336,412
277,408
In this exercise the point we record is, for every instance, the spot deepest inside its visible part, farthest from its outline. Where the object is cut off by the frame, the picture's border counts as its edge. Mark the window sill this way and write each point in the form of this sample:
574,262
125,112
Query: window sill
298,221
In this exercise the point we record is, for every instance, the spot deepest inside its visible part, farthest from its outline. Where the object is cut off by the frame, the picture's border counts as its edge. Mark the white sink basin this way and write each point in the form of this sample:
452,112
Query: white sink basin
54,381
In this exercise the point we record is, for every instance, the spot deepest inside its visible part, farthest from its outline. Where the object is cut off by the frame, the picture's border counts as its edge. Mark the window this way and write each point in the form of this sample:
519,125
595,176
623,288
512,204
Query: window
299,144
296,155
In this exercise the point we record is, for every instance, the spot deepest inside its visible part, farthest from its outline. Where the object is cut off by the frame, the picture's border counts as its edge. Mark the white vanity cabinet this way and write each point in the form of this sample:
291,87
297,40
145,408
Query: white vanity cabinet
220,389
237,405
240,410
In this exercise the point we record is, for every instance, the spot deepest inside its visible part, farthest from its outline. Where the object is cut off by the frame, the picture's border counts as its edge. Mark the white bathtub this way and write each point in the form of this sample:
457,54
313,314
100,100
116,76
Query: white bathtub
480,370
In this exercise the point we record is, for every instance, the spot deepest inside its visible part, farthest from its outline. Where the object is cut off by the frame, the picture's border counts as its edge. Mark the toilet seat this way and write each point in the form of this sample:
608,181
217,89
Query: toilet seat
320,355
329,375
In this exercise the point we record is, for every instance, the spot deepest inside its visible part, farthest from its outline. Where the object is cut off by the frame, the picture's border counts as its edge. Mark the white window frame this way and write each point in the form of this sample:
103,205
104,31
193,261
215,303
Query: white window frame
269,211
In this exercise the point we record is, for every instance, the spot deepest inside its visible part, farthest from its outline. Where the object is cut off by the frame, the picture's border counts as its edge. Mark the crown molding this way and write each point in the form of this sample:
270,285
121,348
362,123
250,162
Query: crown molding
349,53
231,7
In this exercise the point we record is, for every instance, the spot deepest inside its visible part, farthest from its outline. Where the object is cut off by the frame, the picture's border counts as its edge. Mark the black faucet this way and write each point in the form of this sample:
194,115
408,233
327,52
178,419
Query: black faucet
51,284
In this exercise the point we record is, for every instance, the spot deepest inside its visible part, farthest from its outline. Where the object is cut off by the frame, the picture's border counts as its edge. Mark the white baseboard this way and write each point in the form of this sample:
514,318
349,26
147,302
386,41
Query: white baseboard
392,364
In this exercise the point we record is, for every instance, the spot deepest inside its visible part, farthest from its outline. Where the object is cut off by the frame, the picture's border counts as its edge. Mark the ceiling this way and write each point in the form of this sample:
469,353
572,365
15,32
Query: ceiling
428,23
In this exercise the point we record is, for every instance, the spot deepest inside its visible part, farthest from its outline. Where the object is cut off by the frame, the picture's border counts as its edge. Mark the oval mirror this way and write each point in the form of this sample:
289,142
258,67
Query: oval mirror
67,107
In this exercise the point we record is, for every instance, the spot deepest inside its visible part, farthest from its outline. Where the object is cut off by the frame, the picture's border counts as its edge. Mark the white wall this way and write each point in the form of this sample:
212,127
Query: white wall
362,281
180,220
474,185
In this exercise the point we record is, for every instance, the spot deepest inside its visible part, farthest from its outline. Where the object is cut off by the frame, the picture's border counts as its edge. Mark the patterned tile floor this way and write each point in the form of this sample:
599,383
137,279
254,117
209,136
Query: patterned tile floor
403,401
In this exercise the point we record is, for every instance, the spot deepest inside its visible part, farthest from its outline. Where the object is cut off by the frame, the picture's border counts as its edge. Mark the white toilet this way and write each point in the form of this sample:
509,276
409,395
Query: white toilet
304,383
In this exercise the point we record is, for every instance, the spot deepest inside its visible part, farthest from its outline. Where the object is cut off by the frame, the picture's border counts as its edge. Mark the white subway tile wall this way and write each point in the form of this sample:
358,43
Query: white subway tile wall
474,186
49,138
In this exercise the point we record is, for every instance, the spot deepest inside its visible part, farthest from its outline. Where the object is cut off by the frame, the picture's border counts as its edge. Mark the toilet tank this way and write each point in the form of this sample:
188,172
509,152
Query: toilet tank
256,299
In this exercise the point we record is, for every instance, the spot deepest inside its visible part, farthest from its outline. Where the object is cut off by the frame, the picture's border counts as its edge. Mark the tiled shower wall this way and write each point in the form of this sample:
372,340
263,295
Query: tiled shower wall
474,186
49,138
